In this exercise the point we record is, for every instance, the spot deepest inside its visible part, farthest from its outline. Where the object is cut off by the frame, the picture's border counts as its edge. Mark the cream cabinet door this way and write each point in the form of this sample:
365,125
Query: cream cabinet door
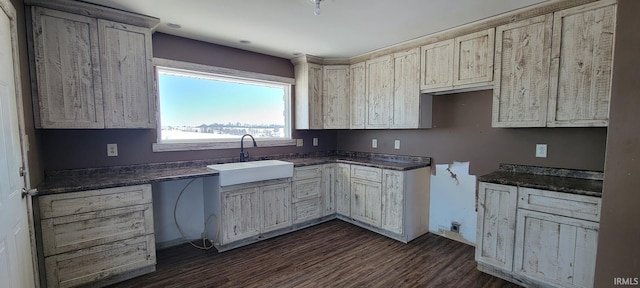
328,189
582,53
127,75
521,89
335,97
496,225
405,106
436,66
473,59
67,68
276,207
556,250
240,214
343,189
358,95
393,201
379,73
366,201
308,96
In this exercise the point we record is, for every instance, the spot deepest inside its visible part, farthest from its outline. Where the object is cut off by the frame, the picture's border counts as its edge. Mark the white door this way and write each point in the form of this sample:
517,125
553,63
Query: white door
16,268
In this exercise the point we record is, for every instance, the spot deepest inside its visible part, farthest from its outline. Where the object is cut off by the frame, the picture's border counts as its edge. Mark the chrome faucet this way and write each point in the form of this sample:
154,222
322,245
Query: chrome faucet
245,155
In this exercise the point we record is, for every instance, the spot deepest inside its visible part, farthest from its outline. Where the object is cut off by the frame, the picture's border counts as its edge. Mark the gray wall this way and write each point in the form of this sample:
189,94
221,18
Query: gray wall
619,237
70,149
462,132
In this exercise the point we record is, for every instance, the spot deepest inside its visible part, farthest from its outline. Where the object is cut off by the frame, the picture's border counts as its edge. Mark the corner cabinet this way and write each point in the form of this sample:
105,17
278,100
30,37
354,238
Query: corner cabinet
358,95
98,236
335,97
537,238
555,70
90,72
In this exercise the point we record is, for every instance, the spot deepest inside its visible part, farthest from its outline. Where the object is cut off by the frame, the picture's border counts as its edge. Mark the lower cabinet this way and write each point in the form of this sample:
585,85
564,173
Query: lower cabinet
393,203
102,235
307,193
342,187
539,238
240,213
276,203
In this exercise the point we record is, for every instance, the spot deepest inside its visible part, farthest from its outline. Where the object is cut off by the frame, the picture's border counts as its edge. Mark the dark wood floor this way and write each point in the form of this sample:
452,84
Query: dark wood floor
333,254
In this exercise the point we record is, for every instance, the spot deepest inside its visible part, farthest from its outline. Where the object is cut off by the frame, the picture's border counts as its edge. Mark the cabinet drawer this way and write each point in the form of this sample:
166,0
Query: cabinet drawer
306,210
306,189
100,262
94,200
67,233
314,171
366,173
558,203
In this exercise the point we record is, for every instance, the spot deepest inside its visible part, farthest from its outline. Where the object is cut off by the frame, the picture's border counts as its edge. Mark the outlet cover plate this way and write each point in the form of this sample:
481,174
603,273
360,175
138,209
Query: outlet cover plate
541,150
374,143
396,144
299,142
315,141
112,150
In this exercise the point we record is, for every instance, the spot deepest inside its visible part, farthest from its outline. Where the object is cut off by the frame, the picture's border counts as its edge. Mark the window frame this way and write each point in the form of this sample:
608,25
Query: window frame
224,73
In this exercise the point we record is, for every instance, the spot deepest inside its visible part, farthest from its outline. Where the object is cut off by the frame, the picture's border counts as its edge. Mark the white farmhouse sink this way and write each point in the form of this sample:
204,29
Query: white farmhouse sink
244,172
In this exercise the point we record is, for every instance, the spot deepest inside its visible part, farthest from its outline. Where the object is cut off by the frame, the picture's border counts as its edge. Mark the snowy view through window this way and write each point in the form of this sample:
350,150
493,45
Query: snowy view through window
197,107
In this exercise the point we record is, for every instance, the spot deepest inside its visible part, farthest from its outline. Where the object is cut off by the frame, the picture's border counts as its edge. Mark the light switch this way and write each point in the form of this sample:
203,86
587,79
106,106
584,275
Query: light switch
299,142
374,143
315,141
396,145
112,150
541,150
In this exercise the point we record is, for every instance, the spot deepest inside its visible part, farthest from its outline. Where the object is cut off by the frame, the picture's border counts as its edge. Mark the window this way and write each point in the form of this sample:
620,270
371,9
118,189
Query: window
213,110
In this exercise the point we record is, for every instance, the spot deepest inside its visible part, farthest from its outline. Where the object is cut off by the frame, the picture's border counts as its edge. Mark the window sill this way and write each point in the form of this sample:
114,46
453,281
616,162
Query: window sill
170,147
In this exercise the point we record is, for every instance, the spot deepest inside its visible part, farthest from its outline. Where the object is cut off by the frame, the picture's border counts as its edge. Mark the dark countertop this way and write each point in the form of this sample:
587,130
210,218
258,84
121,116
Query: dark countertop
554,179
64,181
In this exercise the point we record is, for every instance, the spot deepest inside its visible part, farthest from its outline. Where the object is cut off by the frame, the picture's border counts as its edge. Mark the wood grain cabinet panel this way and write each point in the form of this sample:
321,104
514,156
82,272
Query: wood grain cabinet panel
496,225
84,266
335,97
473,59
240,214
379,75
102,235
343,189
437,66
307,210
393,201
127,75
91,73
582,53
67,70
366,197
555,250
405,107
276,206
308,95
521,90
358,95
329,186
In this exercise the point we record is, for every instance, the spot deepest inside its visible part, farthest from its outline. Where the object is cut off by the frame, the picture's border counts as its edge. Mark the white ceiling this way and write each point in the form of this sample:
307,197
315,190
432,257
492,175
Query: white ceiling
345,28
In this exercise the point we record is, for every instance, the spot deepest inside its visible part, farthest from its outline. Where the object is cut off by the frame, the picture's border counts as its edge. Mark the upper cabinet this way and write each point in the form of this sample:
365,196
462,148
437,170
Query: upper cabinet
521,85
308,98
408,108
582,58
69,90
335,96
127,75
461,63
358,95
555,70
322,94
89,71
379,95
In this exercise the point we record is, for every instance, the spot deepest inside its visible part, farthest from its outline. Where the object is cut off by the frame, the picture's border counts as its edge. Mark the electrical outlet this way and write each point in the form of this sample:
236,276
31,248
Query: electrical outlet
315,141
541,150
299,142
374,143
112,150
396,145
